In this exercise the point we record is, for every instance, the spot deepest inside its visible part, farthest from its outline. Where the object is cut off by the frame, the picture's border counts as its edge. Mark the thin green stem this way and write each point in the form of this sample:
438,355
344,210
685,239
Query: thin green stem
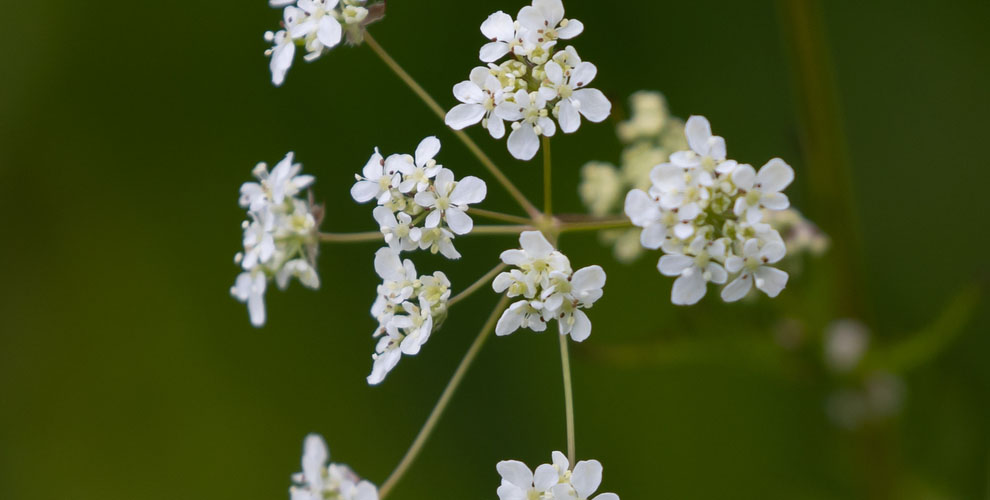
547,178
499,216
464,138
350,237
501,229
444,400
565,363
567,227
490,275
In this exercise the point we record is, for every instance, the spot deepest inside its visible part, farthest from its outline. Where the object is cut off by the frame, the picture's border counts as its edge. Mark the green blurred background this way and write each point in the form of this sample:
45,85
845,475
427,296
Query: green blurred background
127,371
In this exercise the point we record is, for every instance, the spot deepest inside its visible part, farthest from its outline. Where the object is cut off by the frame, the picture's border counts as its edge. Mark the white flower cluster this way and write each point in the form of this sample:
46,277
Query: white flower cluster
707,214
549,289
320,481
414,189
317,25
537,81
408,309
649,135
279,235
553,481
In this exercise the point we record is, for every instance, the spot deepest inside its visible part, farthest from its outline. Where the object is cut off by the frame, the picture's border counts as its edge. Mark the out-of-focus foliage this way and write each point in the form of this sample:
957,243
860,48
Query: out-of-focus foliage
126,370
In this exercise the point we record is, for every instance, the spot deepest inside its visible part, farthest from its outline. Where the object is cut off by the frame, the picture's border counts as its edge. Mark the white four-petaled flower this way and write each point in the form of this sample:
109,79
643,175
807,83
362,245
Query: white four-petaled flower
553,481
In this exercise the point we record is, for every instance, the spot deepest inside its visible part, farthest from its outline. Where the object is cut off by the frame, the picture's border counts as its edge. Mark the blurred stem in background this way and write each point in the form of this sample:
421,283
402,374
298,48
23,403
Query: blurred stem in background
827,169
832,205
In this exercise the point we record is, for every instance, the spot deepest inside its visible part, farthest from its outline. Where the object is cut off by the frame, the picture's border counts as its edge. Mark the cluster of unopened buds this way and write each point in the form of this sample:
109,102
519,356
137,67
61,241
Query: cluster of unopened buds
707,213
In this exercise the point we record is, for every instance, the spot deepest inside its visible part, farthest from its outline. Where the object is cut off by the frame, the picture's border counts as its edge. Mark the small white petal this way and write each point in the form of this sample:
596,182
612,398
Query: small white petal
698,131
738,288
568,117
458,221
674,265
516,473
594,105
469,190
426,150
493,51
775,175
586,477
770,280
582,327
688,289
523,142
329,32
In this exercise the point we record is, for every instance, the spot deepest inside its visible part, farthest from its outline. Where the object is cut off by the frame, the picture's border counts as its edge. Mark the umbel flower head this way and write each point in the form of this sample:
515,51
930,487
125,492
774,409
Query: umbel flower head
548,288
279,235
707,213
317,26
537,83
420,204
553,481
408,309
321,481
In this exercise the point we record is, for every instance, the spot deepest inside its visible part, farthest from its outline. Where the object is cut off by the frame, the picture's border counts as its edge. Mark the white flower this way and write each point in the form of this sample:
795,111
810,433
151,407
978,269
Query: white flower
544,20
695,270
377,181
398,276
530,120
259,240
419,170
250,288
584,481
706,149
274,187
551,481
754,265
519,483
522,314
281,54
397,229
537,258
450,200
436,239
479,96
500,29
574,99
319,481
762,190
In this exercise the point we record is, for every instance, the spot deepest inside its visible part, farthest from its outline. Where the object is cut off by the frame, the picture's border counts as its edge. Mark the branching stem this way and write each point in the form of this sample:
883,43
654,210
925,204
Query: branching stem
464,138
490,275
444,400
350,237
